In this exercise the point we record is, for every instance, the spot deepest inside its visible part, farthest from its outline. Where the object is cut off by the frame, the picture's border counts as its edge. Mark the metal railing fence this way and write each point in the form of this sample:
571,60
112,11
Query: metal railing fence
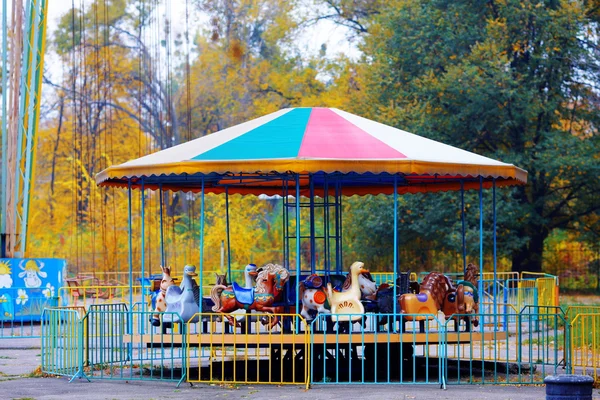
585,344
250,354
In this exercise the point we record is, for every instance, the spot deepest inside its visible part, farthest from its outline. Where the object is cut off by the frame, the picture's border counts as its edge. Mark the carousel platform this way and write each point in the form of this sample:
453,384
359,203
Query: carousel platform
357,338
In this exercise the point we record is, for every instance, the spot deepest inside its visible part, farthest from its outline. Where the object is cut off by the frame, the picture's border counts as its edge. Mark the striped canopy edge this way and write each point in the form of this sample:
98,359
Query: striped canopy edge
312,141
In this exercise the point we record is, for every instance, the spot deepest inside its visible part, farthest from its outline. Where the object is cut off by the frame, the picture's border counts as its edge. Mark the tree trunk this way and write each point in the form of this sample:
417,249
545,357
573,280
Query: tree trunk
55,154
529,256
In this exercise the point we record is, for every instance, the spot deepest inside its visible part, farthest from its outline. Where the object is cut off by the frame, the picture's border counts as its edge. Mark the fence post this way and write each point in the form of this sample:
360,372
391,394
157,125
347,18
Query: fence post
567,345
185,350
443,354
80,349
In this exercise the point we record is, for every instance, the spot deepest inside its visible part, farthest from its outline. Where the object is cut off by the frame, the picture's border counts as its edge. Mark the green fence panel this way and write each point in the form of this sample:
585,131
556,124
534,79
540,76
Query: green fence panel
62,343
533,346
380,348
123,345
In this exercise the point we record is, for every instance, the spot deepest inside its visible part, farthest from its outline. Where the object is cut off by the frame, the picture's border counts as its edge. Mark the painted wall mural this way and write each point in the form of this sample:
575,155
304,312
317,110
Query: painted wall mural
27,285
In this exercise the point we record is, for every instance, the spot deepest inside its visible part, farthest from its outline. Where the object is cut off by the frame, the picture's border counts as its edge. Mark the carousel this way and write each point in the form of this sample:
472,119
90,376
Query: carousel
310,319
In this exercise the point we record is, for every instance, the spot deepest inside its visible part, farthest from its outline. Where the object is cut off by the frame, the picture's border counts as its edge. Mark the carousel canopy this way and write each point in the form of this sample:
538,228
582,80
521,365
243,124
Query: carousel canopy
315,146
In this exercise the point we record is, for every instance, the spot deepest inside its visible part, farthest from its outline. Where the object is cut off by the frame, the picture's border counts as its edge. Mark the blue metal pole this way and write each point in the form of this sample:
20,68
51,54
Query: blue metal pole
326,263
341,226
143,237
464,233
395,248
480,288
338,228
228,233
285,225
4,118
297,300
162,233
495,252
129,227
201,262
313,244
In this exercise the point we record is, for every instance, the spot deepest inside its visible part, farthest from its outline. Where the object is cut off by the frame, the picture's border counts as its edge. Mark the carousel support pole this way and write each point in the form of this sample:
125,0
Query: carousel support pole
162,233
462,217
228,233
338,231
313,245
326,263
395,248
495,252
341,228
200,262
297,300
286,221
130,231
143,234
480,286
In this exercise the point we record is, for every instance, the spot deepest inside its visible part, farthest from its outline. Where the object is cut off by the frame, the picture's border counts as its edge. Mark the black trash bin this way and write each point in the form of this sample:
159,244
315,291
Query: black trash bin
569,387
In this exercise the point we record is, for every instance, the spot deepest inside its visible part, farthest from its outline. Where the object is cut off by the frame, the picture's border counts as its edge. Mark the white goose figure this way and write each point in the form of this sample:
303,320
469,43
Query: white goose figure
249,276
347,302
249,279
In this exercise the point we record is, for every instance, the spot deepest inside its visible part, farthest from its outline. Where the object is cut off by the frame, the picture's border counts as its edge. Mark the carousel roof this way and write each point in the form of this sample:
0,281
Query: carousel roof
327,145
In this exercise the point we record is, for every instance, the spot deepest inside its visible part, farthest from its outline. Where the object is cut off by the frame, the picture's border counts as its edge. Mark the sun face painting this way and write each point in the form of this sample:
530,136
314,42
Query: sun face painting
5,278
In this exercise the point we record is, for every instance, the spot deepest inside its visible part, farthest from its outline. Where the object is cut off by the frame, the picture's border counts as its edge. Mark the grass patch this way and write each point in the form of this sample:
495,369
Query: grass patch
579,299
555,340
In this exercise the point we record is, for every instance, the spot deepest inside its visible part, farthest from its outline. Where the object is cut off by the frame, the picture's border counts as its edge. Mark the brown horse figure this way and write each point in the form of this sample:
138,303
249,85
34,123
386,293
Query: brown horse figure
430,299
270,282
465,299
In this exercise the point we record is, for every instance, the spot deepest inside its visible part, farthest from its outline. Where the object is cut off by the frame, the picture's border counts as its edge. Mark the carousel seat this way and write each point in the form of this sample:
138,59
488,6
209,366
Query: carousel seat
243,295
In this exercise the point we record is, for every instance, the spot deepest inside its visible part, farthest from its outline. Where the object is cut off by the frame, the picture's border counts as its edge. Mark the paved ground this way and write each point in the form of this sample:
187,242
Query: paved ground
19,360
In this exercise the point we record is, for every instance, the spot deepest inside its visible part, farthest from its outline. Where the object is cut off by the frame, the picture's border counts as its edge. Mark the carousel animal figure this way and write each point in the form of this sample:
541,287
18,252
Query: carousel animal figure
314,296
250,275
183,300
207,304
382,301
270,282
221,279
464,300
161,304
346,306
430,299
367,284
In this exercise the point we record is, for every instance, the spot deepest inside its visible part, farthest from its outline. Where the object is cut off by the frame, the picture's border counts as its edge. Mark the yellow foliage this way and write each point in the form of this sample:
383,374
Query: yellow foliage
230,81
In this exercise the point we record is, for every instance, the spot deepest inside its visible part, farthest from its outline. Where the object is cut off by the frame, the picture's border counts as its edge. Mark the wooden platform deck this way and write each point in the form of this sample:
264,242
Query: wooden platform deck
356,338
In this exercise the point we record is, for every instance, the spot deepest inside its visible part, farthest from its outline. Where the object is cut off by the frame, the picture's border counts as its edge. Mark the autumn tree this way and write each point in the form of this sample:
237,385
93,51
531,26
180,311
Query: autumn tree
515,81
136,79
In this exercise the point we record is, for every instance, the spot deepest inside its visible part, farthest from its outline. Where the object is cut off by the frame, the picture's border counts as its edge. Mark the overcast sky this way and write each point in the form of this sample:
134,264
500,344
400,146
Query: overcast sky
309,42
334,36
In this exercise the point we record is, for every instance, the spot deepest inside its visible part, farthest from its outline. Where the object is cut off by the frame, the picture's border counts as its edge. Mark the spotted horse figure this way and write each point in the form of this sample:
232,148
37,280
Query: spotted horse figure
160,303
